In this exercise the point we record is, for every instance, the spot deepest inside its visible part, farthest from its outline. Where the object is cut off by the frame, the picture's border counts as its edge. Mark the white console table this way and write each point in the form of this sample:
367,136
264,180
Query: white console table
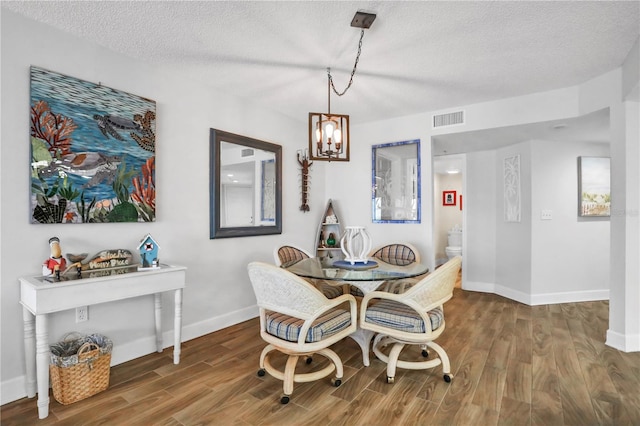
40,297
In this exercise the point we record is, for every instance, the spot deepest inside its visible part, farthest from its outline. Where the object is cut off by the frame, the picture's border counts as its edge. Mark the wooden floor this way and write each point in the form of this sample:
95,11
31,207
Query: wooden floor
513,364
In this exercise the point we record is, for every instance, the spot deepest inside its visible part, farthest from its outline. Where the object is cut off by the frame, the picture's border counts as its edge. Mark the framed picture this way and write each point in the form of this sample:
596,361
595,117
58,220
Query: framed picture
594,188
92,152
448,198
512,201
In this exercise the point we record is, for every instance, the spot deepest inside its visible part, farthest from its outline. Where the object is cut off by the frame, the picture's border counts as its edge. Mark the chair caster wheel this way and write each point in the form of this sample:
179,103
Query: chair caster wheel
336,382
308,360
284,399
390,379
447,378
425,353
261,372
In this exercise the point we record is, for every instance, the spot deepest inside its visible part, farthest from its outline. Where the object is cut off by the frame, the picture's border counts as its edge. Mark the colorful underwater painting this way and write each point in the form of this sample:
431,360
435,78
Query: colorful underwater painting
92,152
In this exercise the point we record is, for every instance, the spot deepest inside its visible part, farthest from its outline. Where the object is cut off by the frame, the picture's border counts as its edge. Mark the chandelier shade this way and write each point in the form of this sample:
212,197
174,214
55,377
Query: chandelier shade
328,136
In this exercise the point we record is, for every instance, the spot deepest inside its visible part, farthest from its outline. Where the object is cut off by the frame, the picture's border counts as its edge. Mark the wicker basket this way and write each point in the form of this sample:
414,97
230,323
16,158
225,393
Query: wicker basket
80,368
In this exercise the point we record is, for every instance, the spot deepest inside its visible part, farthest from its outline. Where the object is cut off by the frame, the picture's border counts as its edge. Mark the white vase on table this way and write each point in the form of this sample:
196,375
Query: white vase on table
356,244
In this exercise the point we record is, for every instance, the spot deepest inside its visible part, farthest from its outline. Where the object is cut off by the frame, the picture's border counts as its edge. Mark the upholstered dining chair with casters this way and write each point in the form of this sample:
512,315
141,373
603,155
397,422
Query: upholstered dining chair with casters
297,320
287,254
401,254
415,317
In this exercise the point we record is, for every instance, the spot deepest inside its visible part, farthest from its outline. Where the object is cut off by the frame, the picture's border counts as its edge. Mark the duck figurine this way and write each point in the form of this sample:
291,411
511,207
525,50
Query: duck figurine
56,263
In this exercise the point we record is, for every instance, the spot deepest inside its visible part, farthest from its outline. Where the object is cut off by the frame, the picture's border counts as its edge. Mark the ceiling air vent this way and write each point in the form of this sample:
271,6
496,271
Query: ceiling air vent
248,152
448,119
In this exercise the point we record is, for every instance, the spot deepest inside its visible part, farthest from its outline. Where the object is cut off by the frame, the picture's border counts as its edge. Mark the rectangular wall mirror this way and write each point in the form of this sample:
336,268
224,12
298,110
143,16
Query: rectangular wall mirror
396,182
245,186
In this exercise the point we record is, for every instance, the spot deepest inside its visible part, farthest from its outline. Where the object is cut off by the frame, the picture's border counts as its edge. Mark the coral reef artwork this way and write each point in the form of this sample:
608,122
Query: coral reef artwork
92,152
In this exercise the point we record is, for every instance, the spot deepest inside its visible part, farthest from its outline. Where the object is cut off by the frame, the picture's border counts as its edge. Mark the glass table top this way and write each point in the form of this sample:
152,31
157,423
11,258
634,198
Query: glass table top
325,269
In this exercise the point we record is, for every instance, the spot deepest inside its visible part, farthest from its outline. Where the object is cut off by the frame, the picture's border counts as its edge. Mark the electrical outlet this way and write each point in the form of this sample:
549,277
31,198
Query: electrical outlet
82,314
546,215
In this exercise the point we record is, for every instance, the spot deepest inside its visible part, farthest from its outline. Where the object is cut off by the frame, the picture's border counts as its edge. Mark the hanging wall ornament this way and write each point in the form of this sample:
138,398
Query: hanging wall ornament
303,159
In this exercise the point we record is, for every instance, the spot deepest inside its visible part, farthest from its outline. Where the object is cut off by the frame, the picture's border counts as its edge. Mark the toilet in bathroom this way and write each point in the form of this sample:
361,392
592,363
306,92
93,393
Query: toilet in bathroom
454,243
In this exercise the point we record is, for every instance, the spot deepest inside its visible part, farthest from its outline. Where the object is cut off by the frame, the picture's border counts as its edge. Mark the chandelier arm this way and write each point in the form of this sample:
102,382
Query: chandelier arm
355,65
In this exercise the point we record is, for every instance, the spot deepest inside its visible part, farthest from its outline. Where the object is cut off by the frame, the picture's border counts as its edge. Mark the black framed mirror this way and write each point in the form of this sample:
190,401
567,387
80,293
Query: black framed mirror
245,186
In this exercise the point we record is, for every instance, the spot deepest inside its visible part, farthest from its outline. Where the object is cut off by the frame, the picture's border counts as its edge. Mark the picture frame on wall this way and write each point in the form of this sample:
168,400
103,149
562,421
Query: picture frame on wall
92,152
594,186
448,198
512,196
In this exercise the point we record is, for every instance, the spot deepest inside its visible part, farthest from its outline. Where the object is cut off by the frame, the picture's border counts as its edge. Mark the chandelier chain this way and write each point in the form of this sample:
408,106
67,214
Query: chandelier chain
355,65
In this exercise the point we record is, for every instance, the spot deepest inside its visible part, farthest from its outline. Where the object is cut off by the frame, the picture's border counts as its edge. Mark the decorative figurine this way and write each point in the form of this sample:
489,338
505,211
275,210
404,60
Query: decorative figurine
148,249
305,164
76,262
56,262
331,241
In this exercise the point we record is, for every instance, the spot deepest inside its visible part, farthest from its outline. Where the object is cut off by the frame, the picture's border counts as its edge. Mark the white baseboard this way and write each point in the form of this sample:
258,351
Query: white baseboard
537,299
509,293
14,389
569,297
210,325
479,286
622,342
512,294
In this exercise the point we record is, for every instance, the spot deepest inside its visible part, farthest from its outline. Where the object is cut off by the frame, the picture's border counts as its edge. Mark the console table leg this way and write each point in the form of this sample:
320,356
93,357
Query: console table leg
42,364
177,326
29,325
157,297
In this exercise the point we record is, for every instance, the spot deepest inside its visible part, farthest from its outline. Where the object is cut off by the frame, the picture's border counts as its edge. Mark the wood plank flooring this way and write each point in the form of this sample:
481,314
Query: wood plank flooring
513,365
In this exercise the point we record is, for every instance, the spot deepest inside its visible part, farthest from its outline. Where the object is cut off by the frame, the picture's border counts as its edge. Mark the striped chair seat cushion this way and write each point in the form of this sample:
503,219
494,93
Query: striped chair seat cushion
288,328
329,291
396,315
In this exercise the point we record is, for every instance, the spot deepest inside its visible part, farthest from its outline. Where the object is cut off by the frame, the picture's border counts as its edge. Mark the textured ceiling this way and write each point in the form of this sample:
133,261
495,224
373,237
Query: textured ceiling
416,57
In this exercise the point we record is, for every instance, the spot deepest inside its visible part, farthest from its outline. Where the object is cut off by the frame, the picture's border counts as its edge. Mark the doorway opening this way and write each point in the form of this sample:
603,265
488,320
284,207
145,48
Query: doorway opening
448,212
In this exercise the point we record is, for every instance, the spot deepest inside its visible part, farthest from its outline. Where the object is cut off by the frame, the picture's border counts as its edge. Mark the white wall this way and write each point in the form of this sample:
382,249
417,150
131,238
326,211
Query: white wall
218,290
556,265
513,239
624,312
479,245
568,252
